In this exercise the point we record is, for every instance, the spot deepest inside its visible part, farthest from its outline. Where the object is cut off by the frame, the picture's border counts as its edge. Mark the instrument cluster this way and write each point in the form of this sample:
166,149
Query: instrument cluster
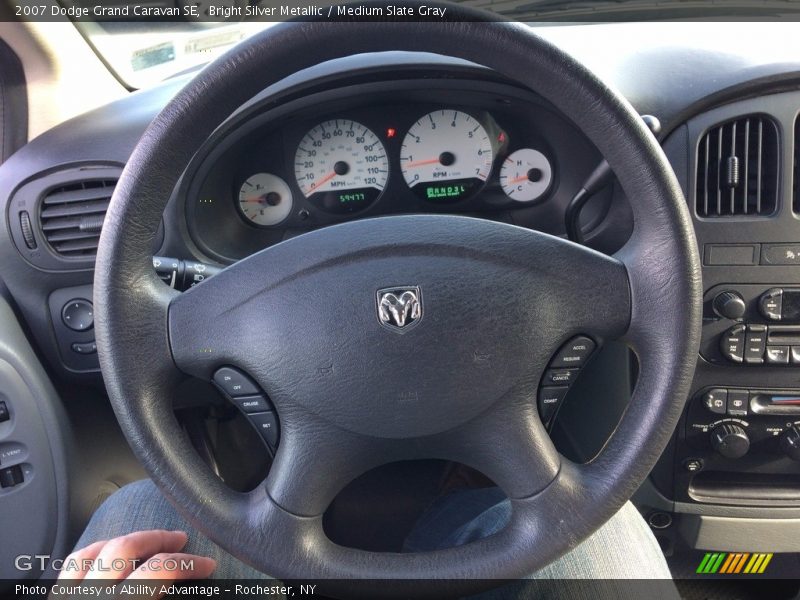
329,159
447,155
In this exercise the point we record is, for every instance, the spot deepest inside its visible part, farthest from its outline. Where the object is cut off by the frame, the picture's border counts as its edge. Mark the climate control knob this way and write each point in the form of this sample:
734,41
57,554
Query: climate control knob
729,304
790,442
730,440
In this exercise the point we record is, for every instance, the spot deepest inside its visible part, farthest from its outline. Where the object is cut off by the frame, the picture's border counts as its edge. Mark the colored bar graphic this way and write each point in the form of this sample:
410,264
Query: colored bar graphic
734,563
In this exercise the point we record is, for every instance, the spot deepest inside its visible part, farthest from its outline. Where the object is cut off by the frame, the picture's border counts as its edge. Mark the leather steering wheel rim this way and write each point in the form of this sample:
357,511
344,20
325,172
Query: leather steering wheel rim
648,294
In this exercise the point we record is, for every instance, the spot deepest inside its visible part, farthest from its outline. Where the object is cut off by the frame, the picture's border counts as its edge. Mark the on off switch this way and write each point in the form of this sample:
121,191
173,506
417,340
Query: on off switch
729,304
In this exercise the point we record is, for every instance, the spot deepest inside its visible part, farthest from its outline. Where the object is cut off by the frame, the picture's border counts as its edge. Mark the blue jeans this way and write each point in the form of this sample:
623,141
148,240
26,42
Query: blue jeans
623,548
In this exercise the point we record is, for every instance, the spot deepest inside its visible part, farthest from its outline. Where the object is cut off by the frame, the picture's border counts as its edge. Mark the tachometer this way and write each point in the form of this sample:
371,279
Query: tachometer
446,156
341,166
265,199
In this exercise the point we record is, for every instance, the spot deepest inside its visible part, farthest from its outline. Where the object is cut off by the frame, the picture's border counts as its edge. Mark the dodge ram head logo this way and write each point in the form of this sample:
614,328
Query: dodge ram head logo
400,308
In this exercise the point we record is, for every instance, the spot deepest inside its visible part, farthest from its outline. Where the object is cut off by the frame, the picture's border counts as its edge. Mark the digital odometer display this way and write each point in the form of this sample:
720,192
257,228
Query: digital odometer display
341,166
446,156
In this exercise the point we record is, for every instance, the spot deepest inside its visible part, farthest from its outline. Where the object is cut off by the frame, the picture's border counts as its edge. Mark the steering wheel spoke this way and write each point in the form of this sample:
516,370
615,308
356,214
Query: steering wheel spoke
508,443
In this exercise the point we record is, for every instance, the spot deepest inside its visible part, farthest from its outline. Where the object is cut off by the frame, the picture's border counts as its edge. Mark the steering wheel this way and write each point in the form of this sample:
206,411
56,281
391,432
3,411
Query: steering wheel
301,318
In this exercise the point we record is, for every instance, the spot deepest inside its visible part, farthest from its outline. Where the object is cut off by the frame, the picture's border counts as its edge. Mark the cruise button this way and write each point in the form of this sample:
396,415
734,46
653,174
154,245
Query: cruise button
253,404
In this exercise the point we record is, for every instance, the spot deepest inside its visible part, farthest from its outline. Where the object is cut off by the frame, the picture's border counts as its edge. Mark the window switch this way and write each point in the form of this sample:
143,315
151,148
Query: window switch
11,476
4,415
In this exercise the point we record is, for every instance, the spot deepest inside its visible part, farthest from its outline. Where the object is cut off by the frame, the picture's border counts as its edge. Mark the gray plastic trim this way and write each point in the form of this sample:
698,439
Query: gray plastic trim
34,514
741,535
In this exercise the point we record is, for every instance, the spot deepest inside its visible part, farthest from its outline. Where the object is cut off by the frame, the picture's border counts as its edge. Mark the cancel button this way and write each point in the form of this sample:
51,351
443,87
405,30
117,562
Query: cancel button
559,376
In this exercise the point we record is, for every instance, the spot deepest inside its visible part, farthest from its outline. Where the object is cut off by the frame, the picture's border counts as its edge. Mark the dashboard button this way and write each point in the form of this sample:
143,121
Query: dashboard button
267,425
559,377
771,304
574,353
235,383
716,400
732,343
778,355
549,400
755,344
84,347
253,404
11,476
795,352
78,314
737,402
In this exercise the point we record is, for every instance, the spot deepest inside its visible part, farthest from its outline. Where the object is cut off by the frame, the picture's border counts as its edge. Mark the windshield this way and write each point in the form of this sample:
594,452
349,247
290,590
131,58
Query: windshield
149,42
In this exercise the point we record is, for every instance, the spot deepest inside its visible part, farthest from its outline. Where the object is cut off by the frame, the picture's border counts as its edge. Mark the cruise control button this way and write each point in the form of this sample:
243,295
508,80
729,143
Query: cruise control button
549,399
716,400
235,383
778,355
253,404
574,353
755,344
737,402
559,376
267,425
732,343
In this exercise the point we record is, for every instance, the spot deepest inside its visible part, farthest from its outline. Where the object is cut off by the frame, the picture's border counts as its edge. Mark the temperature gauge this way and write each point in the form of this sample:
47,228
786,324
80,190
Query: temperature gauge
265,199
526,175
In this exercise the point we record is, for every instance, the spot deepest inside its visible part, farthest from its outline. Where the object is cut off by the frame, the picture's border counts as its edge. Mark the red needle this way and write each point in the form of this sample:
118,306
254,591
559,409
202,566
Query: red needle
419,163
256,198
518,179
323,181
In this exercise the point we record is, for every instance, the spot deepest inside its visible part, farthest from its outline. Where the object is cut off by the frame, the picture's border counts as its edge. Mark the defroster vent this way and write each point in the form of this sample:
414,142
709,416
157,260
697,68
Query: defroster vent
737,168
72,215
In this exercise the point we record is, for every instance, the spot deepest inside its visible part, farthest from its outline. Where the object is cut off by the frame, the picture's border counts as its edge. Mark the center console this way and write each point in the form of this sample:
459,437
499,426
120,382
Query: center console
735,458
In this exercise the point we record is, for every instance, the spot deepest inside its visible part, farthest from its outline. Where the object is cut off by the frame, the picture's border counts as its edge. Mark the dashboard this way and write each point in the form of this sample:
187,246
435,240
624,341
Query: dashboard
380,148
371,136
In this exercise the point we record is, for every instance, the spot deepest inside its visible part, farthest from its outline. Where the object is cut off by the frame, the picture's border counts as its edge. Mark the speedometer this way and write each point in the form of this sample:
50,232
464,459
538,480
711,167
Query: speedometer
341,166
446,156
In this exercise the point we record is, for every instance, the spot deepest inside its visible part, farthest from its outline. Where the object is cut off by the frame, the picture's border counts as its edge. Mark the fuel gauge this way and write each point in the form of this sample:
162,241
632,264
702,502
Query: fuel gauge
265,199
526,175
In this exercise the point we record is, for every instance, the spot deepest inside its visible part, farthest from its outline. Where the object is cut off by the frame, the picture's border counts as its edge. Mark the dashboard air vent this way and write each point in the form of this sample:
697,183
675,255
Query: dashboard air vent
71,216
737,169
